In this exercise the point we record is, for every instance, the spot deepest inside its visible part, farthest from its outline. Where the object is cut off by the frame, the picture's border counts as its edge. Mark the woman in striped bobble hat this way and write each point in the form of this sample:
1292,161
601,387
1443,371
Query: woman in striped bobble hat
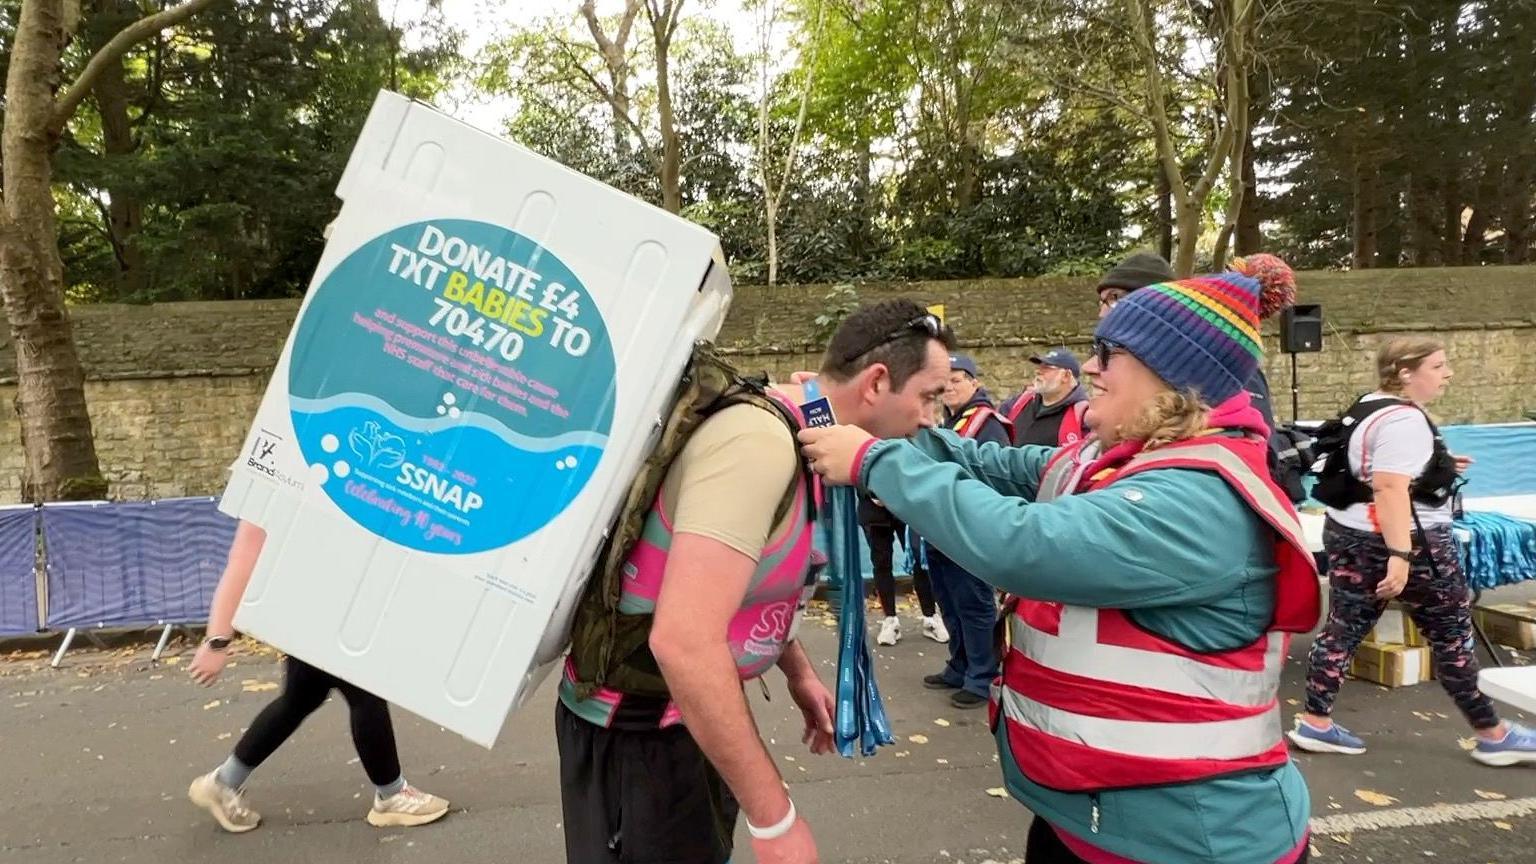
1154,573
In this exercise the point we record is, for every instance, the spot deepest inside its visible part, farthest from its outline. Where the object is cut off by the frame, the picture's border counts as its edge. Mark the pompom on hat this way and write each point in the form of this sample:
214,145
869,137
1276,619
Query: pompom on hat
1202,333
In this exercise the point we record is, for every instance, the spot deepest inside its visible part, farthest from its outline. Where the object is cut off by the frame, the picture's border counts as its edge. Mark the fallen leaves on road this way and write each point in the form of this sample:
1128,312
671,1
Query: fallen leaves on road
1503,826
998,792
212,705
1490,796
1467,743
252,685
918,739
941,722
942,761
1340,838
1377,798
225,736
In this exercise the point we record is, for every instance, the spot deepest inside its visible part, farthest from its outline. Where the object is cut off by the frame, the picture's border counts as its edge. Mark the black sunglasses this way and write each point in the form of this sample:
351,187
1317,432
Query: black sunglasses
927,325
1103,349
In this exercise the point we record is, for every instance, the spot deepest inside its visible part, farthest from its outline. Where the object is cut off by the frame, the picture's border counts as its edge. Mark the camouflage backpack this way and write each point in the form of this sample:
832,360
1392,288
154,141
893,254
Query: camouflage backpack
610,649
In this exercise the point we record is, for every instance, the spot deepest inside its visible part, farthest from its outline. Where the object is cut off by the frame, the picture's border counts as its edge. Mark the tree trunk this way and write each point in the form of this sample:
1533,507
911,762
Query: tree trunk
1189,212
1250,238
663,25
1164,216
1389,221
861,244
1475,236
1450,224
1517,210
1364,233
56,434
615,54
1423,219
60,453
125,215
772,212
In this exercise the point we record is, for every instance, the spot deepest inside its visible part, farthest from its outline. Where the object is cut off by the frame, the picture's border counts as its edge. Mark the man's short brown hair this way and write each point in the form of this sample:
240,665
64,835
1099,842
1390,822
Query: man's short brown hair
895,333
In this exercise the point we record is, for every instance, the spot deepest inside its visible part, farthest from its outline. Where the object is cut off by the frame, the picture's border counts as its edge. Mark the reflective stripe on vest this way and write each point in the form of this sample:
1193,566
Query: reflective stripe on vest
1261,495
1077,650
1221,739
970,423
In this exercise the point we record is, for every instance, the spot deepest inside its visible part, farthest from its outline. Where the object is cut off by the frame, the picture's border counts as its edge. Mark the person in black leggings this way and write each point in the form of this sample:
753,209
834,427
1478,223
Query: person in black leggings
305,688
883,530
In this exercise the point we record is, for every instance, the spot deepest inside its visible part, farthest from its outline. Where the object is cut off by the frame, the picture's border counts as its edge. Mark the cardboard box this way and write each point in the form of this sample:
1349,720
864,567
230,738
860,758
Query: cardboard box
1395,627
1512,624
472,382
1391,665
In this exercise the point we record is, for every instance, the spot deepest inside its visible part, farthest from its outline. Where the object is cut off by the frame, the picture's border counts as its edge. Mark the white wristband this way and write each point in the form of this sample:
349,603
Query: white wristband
777,830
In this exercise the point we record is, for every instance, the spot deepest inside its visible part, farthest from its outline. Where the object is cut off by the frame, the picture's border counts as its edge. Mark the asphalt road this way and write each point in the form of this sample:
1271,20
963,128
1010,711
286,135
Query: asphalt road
96,757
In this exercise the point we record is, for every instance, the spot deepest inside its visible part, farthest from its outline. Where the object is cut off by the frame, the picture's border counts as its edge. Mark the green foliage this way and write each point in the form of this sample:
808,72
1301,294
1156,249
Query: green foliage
838,303
241,124
943,138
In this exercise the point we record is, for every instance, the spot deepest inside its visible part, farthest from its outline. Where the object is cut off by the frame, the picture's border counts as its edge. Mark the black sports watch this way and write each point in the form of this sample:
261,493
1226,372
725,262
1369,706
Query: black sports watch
219,643
1399,553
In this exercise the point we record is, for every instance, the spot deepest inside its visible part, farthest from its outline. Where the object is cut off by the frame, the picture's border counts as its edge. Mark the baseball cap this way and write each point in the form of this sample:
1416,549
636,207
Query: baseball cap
964,364
1060,358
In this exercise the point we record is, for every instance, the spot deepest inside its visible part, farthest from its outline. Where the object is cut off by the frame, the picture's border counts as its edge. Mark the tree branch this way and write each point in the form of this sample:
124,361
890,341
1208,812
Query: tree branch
64,106
610,98
1141,13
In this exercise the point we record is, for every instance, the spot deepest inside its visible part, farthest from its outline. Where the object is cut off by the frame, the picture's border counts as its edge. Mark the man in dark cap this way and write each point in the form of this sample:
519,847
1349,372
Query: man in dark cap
1137,270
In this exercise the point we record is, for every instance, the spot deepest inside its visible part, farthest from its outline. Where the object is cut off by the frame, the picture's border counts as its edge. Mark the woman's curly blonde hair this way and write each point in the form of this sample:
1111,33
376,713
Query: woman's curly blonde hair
1172,415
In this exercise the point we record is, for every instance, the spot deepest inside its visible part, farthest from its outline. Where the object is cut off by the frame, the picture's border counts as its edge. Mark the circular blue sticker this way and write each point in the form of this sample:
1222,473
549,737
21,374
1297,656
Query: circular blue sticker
452,386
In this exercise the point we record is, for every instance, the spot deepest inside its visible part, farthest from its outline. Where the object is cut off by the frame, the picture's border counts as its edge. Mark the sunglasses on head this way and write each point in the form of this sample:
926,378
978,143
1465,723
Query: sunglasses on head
927,325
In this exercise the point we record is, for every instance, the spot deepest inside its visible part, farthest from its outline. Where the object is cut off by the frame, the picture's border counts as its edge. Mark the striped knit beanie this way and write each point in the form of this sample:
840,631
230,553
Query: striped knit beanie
1201,333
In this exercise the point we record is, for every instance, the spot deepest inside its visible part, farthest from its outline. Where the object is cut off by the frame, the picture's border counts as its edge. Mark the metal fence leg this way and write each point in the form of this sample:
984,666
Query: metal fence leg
69,637
165,636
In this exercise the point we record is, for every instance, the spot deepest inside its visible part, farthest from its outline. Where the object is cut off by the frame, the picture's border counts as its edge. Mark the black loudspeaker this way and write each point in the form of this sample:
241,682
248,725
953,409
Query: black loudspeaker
1301,328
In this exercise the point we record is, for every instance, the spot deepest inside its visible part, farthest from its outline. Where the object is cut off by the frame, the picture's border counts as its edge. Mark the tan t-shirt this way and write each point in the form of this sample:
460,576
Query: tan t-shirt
729,480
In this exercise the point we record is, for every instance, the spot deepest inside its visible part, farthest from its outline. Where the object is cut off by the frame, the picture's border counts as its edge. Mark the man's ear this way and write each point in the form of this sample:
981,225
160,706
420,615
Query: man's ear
874,381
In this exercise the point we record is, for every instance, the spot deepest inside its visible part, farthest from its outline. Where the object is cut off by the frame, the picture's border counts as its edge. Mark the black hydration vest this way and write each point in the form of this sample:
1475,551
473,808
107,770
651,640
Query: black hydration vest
1339,488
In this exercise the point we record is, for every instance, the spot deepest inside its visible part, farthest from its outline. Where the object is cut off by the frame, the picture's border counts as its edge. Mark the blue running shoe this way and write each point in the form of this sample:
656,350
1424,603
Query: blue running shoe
1517,748
1334,739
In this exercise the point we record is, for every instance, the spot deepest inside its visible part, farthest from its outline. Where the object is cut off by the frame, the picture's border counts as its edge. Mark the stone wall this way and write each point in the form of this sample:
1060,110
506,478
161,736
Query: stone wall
172,387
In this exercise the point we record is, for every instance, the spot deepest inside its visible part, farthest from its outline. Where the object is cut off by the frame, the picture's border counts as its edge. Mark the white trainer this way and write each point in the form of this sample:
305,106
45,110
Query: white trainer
227,805
933,628
407,808
890,631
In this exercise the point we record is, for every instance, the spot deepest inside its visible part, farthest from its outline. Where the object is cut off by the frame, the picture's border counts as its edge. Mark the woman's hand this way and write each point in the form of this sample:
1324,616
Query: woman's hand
1463,463
831,450
207,664
1395,581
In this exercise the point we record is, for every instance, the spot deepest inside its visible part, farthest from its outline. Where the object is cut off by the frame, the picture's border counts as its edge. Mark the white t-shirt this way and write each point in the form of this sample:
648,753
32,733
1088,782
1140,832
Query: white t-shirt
1396,440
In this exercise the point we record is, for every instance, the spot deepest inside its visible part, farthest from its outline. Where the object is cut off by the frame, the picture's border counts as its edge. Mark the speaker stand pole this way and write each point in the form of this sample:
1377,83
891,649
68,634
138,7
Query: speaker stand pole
1295,392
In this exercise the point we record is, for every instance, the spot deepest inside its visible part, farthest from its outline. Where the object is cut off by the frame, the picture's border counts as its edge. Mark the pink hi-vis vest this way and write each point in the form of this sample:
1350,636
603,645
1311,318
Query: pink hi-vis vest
1092,701
776,598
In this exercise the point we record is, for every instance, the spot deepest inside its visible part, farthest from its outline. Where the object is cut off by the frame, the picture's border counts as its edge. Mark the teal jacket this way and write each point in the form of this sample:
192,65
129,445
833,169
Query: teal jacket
1186,558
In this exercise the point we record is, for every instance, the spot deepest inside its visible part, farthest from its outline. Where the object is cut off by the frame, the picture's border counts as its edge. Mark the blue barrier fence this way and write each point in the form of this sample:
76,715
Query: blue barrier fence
110,564
133,563
142,563
18,570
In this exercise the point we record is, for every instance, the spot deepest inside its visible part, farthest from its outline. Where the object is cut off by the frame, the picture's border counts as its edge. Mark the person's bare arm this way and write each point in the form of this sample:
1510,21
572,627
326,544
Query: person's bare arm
243,552
702,590
1394,512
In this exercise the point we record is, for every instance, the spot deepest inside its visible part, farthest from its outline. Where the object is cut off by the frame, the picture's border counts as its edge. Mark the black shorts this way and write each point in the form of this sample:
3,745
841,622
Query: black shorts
640,796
